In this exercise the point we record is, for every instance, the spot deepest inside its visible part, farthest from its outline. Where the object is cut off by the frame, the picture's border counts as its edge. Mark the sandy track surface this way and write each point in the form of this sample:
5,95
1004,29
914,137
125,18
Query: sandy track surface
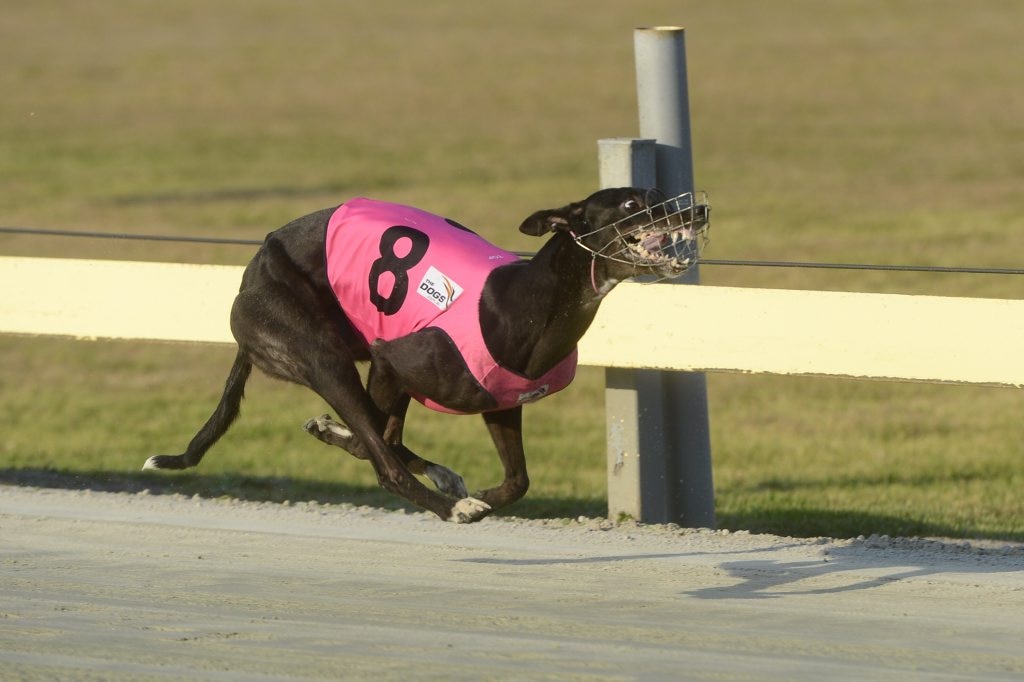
118,586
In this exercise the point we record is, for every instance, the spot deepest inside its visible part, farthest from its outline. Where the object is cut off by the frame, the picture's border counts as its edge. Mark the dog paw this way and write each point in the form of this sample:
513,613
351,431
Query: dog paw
447,481
164,462
327,430
468,510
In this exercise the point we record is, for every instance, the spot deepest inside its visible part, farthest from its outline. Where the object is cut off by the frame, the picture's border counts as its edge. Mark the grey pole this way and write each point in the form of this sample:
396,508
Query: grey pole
663,104
632,399
659,444
664,110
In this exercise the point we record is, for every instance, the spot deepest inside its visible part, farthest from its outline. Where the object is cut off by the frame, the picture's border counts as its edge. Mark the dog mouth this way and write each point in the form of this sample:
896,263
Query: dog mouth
676,250
666,236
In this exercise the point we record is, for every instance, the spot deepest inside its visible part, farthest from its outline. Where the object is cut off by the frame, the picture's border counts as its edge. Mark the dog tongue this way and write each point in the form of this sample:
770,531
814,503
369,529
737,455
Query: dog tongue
654,242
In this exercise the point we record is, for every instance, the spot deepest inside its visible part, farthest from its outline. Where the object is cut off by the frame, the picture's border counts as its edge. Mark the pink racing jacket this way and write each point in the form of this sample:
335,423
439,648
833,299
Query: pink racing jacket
396,270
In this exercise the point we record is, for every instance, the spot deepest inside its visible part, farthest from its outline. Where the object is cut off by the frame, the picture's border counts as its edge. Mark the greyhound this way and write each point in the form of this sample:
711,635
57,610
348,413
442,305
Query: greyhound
481,331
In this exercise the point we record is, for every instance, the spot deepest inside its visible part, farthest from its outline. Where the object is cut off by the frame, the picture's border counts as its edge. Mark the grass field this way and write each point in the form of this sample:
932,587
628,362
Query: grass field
887,132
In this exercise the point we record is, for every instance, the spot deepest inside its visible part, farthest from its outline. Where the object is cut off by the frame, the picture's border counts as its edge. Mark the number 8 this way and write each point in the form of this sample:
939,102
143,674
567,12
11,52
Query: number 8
397,265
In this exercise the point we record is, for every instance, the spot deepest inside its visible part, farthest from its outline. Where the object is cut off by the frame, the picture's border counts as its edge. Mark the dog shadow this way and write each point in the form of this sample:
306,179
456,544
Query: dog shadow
843,566
270,489
857,565
761,573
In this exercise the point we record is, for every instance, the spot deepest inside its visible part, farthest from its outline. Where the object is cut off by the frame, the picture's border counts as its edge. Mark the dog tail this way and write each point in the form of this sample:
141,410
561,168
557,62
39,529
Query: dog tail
216,426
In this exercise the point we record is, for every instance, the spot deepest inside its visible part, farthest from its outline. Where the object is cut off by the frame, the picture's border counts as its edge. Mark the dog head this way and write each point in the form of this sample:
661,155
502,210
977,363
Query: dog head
637,231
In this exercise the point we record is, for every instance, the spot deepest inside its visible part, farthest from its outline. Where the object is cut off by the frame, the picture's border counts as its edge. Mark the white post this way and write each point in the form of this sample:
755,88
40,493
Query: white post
659,445
631,398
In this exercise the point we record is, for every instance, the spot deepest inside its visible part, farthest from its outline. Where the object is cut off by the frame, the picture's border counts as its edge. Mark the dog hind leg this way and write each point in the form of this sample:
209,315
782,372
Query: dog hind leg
291,338
215,427
343,391
389,395
327,430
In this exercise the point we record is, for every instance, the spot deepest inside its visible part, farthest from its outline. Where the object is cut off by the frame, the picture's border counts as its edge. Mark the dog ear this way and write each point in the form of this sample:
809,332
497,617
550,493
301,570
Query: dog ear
552,219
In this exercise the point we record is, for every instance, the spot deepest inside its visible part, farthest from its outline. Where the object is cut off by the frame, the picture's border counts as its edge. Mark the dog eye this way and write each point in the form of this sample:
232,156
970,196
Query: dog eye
630,205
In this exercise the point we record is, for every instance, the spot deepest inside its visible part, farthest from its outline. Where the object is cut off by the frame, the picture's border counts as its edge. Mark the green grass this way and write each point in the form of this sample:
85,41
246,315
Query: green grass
873,131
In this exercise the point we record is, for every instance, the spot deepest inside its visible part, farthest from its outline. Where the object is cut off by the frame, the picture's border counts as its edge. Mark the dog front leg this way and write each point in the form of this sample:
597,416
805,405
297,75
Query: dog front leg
506,429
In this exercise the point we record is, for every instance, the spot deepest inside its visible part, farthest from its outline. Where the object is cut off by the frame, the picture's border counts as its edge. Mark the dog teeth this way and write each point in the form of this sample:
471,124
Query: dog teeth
653,249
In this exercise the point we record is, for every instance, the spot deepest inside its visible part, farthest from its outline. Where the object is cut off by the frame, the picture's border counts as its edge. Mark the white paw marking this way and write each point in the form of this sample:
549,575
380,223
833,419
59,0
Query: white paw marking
324,424
150,463
468,510
339,429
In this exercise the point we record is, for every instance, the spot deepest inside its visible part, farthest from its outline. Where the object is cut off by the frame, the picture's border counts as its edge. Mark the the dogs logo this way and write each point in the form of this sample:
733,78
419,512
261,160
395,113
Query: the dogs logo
437,288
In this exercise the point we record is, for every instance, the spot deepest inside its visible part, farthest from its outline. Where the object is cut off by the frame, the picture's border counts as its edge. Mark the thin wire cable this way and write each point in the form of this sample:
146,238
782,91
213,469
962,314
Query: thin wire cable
527,254
128,236
865,266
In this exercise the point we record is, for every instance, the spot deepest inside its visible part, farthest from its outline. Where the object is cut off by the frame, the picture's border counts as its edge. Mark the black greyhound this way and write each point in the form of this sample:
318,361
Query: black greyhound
291,323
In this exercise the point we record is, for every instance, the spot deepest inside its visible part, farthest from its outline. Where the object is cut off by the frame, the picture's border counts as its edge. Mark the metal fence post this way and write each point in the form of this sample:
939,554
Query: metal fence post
631,398
659,445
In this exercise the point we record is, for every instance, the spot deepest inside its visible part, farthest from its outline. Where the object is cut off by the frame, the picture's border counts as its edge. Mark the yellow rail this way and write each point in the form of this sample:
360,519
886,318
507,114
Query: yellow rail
690,328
